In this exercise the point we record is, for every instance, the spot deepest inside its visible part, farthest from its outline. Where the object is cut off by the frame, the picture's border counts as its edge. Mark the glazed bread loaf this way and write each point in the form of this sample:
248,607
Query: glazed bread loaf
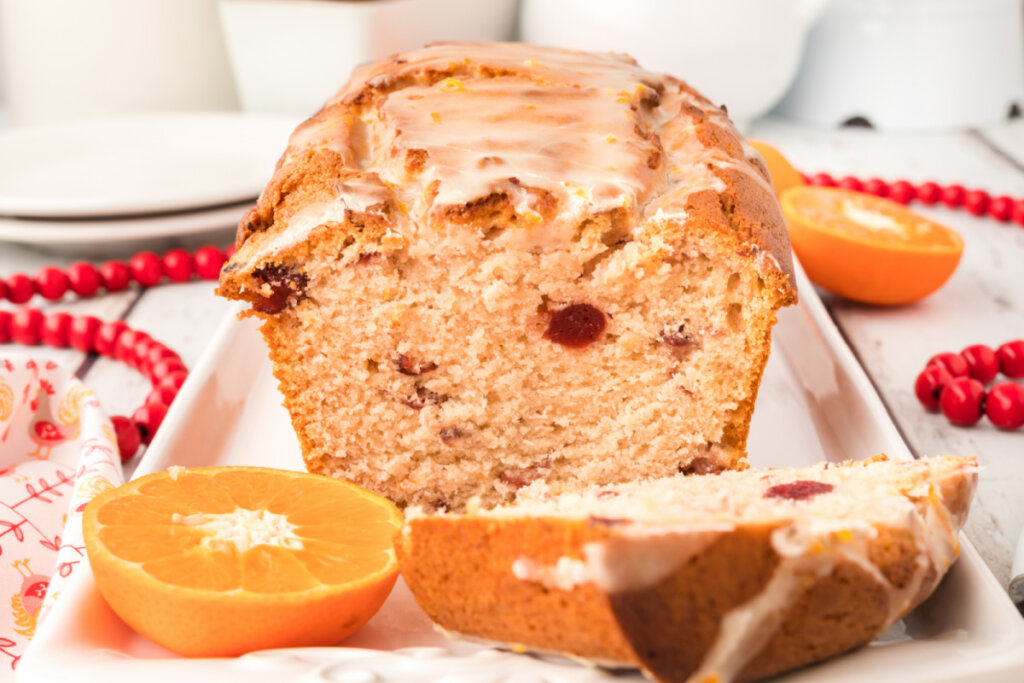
483,265
697,578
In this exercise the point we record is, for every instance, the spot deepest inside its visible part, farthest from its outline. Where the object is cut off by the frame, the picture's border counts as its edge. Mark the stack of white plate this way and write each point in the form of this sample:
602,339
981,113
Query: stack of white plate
127,182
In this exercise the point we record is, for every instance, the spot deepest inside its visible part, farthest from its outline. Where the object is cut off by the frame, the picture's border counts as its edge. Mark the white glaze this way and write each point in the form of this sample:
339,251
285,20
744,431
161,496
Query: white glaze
811,549
551,124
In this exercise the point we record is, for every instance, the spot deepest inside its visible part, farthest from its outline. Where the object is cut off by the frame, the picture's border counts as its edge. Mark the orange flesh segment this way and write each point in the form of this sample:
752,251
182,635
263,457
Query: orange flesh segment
161,528
869,219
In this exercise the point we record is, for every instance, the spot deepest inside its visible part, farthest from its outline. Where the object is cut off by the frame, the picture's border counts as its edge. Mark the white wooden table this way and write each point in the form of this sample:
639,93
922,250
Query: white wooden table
983,303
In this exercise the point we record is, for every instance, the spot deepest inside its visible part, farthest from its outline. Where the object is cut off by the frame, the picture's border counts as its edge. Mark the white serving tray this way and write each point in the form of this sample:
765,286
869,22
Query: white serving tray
815,403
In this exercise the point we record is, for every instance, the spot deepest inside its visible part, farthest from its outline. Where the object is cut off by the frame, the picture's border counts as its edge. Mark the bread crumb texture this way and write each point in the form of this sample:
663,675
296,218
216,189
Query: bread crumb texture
481,266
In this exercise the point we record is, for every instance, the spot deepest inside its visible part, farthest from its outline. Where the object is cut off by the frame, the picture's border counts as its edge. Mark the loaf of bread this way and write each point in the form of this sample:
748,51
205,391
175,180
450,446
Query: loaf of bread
483,265
706,579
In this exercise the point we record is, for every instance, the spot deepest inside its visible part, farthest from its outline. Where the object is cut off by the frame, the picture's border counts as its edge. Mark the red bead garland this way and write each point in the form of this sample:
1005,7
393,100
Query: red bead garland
955,384
162,366
85,280
1003,208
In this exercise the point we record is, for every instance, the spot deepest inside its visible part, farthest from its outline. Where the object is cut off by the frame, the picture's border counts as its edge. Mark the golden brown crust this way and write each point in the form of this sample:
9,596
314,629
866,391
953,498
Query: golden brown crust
666,628
795,608
331,147
458,594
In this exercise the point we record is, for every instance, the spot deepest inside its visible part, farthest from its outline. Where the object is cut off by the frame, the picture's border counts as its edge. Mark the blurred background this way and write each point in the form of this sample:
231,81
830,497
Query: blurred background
116,113
889,64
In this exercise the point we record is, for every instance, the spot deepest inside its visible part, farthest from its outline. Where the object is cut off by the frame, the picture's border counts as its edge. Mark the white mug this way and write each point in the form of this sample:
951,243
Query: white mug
69,59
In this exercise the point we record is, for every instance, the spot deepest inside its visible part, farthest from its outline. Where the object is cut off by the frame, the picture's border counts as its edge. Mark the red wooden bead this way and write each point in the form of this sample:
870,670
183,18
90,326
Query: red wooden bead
158,352
3,290
148,419
877,187
115,275
961,401
140,354
230,251
25,326
164,367
52,283
124,348
982,364
928,193
821,180
5,327
145,268
163,396
82,333
84,278
208,262
976,202
1001,208
954,363
1004,405
128,437
173,380
929,385
851,183
177,265
953,195
107,336
1018,212
901,191
54,330
1011,358
20,288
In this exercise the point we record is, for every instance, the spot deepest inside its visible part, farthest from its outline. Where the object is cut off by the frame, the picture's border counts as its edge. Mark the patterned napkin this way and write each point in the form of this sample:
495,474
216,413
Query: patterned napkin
57,451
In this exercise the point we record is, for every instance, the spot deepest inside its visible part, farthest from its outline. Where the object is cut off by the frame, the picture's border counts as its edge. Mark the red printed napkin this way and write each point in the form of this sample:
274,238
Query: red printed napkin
57,451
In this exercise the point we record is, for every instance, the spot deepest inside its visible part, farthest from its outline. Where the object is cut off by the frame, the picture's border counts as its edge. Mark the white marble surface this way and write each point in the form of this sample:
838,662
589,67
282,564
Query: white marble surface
983,303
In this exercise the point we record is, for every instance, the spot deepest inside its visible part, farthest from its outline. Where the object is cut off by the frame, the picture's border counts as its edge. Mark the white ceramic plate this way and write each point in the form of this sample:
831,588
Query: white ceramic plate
72,233
138,165
113,236
815,403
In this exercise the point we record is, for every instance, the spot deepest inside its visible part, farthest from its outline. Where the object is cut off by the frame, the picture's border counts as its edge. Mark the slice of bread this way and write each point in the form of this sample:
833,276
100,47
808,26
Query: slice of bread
483,265
706,578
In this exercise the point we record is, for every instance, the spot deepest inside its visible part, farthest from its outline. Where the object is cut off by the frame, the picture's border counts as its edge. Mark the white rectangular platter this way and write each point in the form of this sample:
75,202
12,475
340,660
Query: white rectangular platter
815,404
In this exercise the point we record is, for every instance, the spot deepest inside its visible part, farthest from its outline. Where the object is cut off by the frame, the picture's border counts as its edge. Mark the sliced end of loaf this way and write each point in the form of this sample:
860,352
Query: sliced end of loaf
737,576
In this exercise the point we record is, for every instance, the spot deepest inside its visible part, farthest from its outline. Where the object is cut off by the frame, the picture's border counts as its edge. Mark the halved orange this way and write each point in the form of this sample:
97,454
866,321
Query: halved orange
218,561
866,248
784,176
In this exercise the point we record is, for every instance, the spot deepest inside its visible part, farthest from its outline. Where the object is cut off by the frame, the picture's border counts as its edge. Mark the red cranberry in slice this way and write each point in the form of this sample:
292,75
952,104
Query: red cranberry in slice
802,489
410,366
576,326
287,286
520,477
679,342
369,257
423,398
449,434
